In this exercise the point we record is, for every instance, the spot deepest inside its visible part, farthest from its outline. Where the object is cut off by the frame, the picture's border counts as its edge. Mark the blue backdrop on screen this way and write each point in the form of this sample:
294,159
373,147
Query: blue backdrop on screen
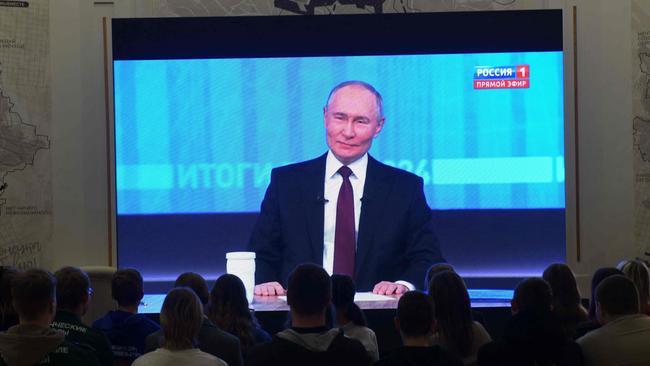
202,135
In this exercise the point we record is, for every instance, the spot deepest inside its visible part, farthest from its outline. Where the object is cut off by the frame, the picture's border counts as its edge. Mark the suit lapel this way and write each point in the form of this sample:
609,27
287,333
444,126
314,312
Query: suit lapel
375,192
314,205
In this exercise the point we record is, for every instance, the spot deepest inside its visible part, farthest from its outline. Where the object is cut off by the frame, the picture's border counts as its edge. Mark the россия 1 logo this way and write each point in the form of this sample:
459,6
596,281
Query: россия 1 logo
502,77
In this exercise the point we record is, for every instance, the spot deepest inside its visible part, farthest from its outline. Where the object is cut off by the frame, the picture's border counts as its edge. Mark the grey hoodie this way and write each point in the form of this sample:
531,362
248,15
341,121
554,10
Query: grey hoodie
316,342
26,345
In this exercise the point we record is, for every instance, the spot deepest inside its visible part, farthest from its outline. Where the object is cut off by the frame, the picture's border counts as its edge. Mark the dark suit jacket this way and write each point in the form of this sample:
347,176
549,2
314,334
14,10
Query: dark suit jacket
395,239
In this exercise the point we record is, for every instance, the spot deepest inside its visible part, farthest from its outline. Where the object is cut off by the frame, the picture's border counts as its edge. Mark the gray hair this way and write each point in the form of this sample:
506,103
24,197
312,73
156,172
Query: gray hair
363,84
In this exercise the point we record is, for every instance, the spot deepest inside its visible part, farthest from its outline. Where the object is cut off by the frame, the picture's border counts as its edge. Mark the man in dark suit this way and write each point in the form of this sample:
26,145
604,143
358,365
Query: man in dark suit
345,210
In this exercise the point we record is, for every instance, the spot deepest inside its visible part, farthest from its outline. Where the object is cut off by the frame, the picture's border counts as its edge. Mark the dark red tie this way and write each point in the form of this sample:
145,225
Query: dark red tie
344,241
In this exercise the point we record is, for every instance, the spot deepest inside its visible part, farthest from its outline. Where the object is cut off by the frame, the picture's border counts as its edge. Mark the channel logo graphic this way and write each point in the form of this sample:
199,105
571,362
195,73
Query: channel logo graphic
502,77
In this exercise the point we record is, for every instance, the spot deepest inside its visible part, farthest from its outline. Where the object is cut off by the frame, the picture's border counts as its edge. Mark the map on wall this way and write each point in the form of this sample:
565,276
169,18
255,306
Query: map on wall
321,7
641,121
25,114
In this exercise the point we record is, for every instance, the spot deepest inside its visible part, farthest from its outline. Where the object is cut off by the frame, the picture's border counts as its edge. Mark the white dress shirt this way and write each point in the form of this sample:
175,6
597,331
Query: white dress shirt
333,181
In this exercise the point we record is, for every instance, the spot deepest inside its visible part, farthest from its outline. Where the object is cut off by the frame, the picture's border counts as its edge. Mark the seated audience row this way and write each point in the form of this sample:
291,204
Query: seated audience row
33,341
41,314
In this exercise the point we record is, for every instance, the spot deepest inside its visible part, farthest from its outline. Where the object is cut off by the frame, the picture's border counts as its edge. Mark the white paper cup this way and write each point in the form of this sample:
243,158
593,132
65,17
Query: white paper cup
242,265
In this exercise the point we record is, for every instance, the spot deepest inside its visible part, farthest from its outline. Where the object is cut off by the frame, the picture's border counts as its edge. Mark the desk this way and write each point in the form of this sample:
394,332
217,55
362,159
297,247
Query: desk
366,301
481,298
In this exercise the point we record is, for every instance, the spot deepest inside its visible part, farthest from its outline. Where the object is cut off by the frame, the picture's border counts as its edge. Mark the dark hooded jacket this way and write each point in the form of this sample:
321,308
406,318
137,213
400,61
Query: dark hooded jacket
126,332
28,345
420,356
313,347
532,338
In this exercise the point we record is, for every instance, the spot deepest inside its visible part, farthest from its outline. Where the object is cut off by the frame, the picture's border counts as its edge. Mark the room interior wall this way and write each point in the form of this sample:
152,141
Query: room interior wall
79,154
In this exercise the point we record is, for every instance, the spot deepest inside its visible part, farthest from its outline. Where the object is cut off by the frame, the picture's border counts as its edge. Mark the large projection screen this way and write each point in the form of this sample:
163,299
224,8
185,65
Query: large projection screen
205,108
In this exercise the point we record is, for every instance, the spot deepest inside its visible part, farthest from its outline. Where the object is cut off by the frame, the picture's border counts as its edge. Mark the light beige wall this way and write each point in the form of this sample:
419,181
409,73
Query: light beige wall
78,135
605,131
79,141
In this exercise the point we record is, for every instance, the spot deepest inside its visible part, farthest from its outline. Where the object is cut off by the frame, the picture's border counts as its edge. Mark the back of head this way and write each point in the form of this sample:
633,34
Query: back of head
72,287
416,314
533,295
343,291
638,272
566,297
180,318
617,295
309,290
434,270
229,309
229,293
598,277
126,287
196,282
33,293
228,302
453,311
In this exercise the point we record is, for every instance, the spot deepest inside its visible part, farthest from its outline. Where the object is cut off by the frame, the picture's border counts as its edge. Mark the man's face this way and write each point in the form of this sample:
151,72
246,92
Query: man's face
351,122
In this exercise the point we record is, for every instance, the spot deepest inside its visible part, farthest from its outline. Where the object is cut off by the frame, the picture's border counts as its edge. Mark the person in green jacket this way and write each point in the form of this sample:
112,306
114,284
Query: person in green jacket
73,293
32,341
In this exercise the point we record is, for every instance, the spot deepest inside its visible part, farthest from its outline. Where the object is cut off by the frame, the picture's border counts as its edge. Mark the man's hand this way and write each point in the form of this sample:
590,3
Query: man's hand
389,288
269,289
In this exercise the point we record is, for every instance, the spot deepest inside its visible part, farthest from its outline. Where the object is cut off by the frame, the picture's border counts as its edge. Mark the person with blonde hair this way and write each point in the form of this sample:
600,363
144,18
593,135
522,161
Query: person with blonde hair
637,272
181,318
211,339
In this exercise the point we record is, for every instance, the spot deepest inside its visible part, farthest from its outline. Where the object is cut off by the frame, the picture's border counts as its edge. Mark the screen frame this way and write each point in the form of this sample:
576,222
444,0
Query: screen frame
419,33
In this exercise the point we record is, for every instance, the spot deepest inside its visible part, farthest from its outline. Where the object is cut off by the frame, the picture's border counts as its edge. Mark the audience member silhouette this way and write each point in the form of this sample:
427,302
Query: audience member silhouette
416,323
349,317
567,305
638,272
33,341
623,337
211,339
434,270
456,331
443,267
73,294
229,309
181,318
592,323
309,341
197,283
124,327
533,336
